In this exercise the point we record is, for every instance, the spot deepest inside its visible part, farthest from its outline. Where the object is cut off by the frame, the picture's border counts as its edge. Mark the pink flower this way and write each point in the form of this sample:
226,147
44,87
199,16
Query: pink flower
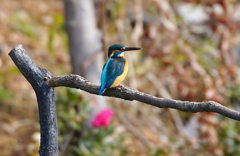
103,118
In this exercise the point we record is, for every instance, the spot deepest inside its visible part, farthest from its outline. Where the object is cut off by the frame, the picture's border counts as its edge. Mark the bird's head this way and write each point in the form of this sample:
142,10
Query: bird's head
117,50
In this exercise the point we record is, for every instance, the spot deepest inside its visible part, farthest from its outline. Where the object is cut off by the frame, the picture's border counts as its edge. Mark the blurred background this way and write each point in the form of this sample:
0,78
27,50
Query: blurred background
190,52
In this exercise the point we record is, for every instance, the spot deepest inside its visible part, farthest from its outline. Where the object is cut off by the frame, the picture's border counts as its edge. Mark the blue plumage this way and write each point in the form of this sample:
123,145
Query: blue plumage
116,68
111,70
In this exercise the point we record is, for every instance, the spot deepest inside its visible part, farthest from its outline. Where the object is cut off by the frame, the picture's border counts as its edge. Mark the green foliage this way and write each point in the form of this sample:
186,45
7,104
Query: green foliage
157,152
100,142
229,136
117,8
56,30
19,22
72,112
229,132
5,94
233,95
14,70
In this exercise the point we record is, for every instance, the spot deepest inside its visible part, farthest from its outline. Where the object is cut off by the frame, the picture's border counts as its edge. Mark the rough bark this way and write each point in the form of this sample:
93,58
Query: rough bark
122,92
43,84
45,98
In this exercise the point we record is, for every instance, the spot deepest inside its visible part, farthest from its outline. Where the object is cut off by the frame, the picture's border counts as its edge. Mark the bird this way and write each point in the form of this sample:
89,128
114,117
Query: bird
115,69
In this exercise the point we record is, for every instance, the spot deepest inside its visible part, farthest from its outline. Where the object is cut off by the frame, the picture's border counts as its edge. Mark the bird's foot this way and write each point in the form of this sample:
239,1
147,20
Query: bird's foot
119,87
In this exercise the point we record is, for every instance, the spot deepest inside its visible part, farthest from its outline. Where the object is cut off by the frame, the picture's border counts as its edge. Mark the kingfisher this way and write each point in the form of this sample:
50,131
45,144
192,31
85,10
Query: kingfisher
115,69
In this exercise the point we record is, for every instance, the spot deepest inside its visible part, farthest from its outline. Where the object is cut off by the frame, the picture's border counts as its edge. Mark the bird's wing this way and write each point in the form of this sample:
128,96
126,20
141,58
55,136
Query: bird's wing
111,70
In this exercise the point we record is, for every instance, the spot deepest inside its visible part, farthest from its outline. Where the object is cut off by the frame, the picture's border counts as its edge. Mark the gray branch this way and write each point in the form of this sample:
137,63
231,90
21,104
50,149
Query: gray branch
43,84
122,92
45,98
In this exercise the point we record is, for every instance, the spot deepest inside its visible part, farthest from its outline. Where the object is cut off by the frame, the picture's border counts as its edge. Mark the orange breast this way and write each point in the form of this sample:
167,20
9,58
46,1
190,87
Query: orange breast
120,78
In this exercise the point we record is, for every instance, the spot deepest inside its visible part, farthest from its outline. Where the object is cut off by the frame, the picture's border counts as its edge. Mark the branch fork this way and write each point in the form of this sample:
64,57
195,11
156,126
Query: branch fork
43,84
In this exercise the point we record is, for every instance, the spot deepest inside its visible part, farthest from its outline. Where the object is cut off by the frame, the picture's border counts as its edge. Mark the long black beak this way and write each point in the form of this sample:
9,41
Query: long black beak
130,48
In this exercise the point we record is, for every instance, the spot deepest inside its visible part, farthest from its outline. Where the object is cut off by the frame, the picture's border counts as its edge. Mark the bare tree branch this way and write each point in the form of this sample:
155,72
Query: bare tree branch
122,92
45,98
43,85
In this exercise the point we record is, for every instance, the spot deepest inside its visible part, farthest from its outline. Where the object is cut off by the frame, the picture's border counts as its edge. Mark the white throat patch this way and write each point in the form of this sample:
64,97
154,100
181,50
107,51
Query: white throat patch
112,55
122,54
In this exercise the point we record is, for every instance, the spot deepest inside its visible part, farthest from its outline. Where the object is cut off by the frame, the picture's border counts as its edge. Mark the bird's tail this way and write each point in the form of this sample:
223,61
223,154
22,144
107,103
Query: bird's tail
102,90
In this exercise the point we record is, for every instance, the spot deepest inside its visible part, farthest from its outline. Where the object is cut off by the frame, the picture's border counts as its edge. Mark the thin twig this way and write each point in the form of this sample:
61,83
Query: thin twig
122,92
